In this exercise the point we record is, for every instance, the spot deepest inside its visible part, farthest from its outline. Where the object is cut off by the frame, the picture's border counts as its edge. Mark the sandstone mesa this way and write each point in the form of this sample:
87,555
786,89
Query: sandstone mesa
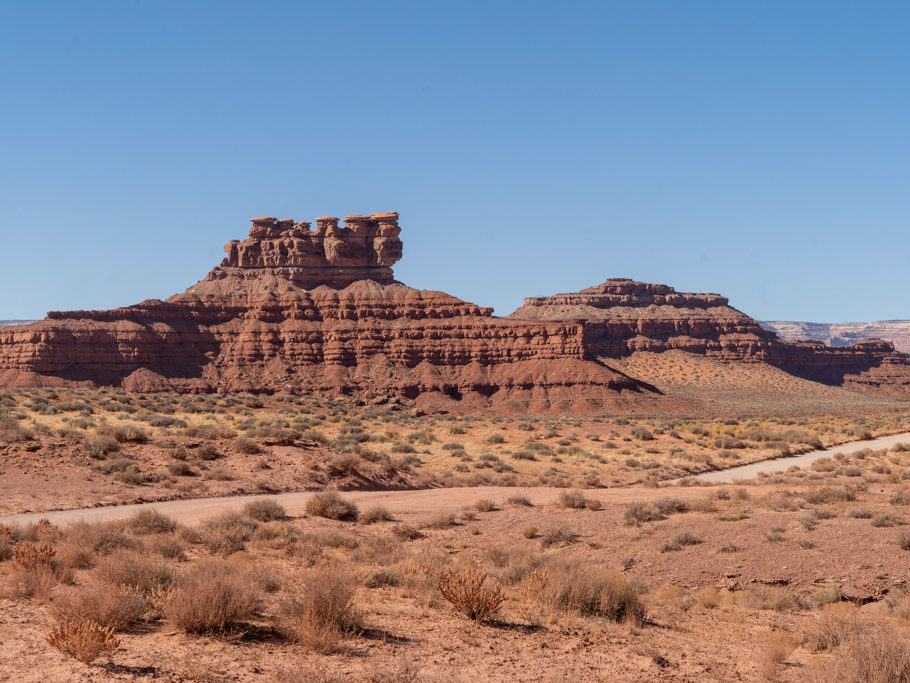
299,309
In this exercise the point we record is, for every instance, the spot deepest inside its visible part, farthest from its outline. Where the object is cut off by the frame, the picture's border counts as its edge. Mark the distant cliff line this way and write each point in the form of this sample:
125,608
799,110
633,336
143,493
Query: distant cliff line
843,334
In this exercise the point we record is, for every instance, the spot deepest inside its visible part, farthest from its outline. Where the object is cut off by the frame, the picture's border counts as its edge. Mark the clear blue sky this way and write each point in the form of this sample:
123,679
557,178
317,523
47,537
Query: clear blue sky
756,149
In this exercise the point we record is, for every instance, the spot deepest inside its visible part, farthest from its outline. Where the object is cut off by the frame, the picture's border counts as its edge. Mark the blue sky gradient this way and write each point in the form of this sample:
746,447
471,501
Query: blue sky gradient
759,150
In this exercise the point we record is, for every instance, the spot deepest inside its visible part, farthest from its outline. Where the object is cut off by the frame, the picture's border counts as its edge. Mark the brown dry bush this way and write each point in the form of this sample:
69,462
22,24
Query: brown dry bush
117,608
265,510
831,627
376,513
227,533
485,505
591,591
321,611
135,570
151,522
874,653
777,598
100,446
83,640
246,446
31,584
330,505
85,541
213,596
466,591
574,500
773,652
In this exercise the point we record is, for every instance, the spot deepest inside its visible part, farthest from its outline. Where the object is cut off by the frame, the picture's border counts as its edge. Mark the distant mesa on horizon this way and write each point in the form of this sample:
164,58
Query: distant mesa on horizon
843,334
294,308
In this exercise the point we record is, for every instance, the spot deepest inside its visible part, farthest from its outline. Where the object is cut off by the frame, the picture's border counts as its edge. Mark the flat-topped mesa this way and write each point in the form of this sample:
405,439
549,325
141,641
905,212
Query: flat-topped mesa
364,249
626,292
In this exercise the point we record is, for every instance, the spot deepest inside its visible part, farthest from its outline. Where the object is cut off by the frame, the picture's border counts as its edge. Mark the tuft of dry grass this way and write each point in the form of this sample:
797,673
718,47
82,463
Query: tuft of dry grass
151,522
83,640
376,513
873,652
590,591
321,610
113,607
212,597
466,591
775,647
330,505
134,570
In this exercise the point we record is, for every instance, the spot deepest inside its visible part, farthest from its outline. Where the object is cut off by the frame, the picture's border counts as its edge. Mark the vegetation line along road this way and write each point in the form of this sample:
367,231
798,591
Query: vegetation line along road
427,500
751,470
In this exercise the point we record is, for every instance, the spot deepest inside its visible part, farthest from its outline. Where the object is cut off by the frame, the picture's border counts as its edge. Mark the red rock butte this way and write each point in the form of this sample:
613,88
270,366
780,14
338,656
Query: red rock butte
302,310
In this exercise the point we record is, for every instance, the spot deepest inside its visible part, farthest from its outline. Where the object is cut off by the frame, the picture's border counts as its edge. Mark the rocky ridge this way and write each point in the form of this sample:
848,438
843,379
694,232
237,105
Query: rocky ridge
843,334
622,317
301,310
304,311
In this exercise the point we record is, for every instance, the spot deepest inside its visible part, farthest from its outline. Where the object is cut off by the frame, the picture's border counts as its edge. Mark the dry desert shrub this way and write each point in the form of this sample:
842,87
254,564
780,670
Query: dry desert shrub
227,533
590,591
557,536
86,541
265,510
151,522
520,500
777,598
109,606
466,591
708,597
440,520
485,505
873,653
376,513
574,500
100,446
31,584
83,640
831,627
211,597
134,570
246,446
330,505
773,651
321,611
529,531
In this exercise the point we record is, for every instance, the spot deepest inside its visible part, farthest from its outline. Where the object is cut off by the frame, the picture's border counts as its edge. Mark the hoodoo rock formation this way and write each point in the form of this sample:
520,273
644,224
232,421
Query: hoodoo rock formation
299,310
622,316
302,310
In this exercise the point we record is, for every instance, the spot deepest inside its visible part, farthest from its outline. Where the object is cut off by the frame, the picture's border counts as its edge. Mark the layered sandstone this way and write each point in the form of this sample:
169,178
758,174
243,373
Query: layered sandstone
844,334
300,310
622,317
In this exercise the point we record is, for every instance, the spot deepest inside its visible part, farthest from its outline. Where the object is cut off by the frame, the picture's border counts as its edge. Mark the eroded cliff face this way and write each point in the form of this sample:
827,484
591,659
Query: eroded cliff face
622,317
299,310
844,334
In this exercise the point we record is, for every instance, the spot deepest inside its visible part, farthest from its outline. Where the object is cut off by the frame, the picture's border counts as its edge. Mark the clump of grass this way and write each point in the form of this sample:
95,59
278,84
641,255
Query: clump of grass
330,505
110,606
151,522
376,513
588,590
265,510
485,505
558,536
212,597
529,531
321,610
519,500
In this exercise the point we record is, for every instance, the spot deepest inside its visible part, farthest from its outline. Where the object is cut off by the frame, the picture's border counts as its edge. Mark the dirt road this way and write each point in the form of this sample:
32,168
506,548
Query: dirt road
745,472
426,501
